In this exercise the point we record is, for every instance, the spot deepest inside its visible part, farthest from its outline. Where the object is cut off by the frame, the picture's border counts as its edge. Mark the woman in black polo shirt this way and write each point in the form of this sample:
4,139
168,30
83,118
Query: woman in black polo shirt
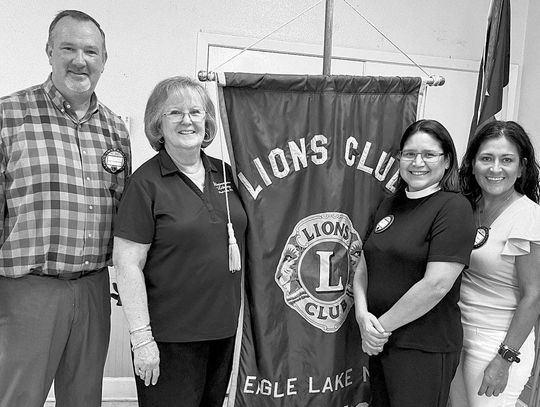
407,284
177,281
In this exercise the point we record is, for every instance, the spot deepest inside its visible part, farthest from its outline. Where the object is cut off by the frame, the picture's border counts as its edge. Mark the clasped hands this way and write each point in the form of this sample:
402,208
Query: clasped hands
374,337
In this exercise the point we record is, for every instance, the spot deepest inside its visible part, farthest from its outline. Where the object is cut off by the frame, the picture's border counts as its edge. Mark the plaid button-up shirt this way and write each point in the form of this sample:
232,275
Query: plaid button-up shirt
57,201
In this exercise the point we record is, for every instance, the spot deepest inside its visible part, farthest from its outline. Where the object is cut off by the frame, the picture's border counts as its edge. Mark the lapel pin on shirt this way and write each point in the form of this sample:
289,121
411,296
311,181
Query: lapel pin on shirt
113,160
384,224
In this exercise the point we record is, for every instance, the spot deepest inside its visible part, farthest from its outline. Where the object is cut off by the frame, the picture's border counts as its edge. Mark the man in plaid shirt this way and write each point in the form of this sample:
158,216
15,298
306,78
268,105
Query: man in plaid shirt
64,158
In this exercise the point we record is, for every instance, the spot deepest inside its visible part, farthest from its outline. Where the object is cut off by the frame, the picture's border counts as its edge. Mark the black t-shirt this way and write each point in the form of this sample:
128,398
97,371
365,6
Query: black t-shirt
192,295
409,234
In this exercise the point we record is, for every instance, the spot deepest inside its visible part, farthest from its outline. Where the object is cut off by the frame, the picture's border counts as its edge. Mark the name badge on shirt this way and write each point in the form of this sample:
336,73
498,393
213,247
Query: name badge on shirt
113,160
223,186
384,223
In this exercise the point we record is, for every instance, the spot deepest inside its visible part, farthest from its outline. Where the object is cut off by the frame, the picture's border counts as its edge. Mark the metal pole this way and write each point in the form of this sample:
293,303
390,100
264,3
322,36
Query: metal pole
328,22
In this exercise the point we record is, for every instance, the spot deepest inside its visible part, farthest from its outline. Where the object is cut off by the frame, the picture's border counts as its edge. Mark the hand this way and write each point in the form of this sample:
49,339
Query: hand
370,350
373,334
146,362
495,377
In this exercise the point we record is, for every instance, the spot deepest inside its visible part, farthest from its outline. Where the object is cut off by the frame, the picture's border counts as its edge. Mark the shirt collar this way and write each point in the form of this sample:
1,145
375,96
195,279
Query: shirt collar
62,104
169,167
423,192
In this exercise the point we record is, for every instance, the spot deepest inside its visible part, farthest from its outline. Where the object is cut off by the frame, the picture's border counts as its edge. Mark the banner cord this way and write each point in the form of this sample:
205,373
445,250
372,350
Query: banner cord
304,12
386,38
267,35
421,104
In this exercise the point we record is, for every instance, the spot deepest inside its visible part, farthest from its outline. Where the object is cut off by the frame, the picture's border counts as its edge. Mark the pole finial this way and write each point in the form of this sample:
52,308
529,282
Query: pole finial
206,76
436,80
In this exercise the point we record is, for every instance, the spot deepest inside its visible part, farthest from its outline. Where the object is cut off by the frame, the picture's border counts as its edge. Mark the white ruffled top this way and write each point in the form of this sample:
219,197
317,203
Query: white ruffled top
489,289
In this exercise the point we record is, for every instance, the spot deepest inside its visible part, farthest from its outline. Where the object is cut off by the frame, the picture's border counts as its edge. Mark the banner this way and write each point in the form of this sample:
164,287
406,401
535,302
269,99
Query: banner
314,156
494,67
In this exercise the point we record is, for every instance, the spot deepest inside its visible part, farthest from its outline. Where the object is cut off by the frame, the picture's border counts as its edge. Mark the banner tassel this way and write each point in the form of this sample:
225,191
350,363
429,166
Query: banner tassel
235,263
235,259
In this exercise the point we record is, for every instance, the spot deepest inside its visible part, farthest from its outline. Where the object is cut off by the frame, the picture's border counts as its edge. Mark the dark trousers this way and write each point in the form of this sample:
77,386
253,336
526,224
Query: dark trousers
192,374
53,329
411,378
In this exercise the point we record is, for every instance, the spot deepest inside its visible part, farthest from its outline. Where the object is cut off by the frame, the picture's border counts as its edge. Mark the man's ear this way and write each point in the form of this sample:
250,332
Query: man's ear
104,60
48,51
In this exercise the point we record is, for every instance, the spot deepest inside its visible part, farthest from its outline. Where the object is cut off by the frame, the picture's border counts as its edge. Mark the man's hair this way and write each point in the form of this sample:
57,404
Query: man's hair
79,16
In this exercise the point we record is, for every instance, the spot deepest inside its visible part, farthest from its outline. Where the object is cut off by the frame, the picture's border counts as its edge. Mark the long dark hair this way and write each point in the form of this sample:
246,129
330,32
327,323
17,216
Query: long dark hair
527,184
449,181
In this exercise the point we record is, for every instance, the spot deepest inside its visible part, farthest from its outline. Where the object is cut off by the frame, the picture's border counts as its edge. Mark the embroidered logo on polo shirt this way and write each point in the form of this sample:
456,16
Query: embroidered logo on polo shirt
113,160
223,186
384,223
316,269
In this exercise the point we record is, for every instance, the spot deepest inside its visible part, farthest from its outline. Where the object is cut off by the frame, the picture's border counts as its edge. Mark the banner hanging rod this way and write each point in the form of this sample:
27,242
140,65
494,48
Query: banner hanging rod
210,76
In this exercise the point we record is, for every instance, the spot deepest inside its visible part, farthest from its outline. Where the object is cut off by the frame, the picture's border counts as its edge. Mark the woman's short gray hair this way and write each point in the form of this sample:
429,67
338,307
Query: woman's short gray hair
153,113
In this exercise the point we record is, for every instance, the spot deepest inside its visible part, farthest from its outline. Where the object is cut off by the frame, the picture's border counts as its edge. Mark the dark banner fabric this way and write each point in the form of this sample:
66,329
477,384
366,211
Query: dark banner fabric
314,156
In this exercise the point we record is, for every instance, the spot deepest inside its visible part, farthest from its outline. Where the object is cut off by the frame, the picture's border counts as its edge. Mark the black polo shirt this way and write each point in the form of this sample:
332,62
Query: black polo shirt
192,295
435,228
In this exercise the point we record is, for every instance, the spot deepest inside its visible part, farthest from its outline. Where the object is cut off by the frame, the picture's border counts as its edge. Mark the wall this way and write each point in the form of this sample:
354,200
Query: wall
530,89
148,41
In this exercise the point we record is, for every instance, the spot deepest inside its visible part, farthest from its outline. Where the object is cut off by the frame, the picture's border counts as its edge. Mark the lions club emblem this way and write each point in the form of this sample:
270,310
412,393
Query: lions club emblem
384,224
482,235
316,269
113,160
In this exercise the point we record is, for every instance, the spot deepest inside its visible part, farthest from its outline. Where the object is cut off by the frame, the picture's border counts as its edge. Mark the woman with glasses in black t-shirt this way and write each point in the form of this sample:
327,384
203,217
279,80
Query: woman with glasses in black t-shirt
407,283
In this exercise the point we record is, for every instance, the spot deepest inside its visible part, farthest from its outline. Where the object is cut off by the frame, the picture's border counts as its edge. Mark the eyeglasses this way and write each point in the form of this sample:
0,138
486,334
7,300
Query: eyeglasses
195,115
427,156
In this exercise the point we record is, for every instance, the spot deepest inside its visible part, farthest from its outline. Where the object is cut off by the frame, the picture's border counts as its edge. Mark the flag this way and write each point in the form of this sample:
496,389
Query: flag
314,156
494,67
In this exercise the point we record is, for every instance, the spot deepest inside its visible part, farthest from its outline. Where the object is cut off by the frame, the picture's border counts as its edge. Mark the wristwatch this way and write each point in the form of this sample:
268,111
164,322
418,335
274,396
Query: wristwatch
509,354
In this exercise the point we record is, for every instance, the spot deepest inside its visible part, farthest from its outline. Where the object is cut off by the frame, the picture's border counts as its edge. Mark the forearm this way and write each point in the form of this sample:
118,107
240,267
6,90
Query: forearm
129,259
359,290
360,282
422,296
132,289
417,301
523,321
496,373
528,307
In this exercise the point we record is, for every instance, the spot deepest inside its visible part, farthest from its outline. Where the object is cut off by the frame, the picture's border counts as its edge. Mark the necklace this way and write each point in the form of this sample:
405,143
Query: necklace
484,221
